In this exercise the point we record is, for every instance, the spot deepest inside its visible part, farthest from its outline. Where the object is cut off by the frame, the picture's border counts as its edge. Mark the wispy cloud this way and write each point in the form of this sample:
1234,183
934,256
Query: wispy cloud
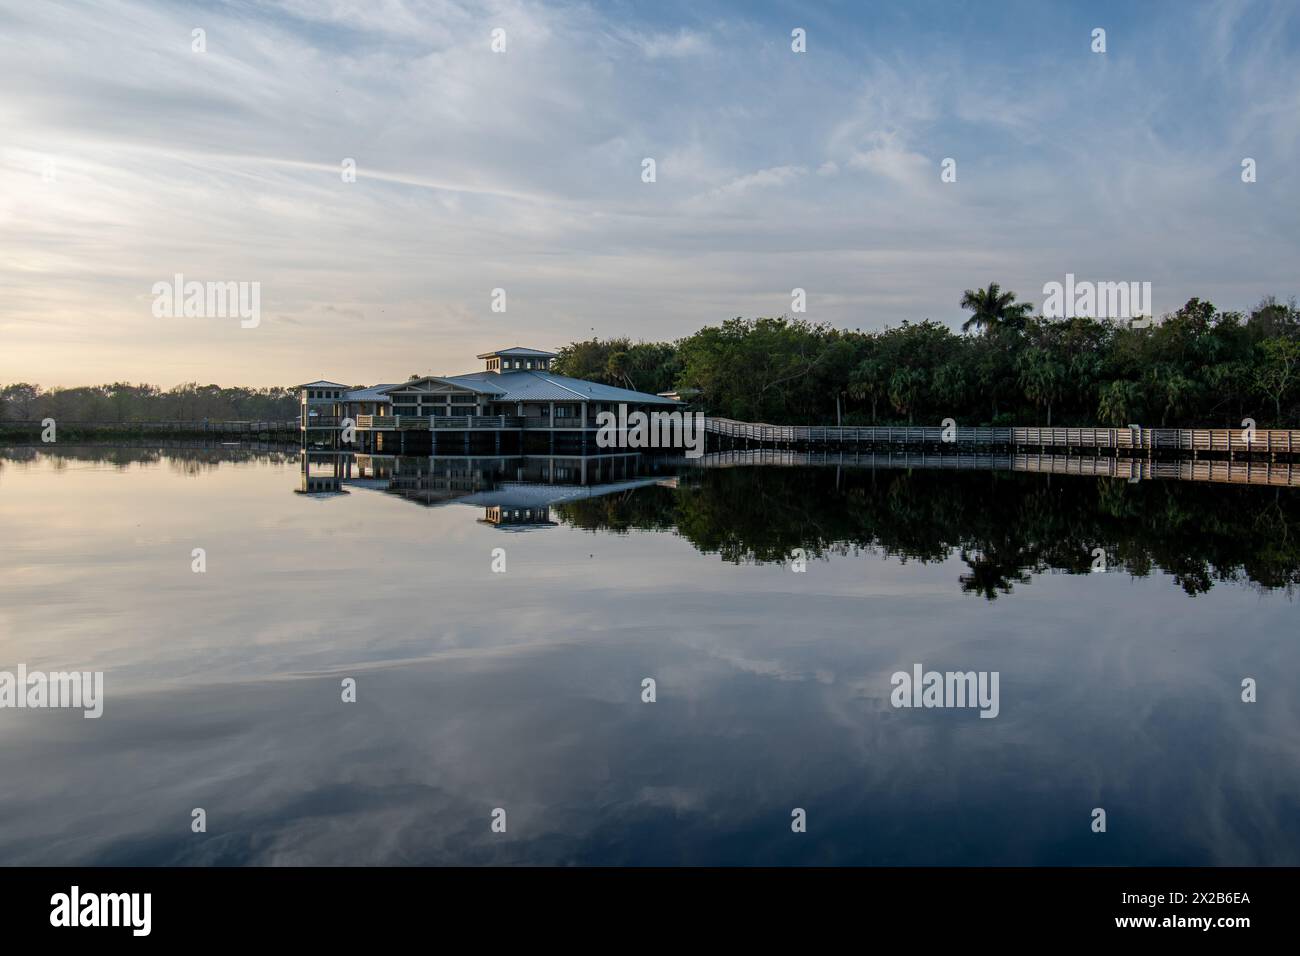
682,43
775,176
522,170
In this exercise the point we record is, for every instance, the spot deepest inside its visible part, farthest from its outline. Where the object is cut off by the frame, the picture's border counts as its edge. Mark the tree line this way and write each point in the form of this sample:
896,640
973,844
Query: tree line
1007,366
123,402
1196,366
1005,527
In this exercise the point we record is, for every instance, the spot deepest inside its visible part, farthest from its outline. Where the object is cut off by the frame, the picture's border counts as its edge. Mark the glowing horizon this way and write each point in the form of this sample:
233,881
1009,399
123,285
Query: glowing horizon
129,158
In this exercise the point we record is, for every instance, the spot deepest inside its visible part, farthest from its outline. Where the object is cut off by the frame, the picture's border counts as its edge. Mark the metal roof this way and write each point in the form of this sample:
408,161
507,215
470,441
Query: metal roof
373,394
486,386
517,351
527,494
538,386
520,386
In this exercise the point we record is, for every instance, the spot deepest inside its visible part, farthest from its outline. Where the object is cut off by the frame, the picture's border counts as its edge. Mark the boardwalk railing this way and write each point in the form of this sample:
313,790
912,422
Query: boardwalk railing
903,435
1274,473
1271,441
1283,473
426,422
1276,440
1134,438
485,422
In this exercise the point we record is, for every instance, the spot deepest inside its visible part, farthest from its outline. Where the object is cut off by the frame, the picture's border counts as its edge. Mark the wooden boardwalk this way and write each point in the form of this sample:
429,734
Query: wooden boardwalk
1270,473
1130,440
1284,474
1135,439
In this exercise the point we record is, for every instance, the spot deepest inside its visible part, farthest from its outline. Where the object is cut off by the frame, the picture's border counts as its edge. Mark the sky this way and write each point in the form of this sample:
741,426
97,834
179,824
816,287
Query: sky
128,157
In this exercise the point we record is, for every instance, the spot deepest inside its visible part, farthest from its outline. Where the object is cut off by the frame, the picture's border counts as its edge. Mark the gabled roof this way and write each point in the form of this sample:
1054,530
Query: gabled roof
538,386
517,352
376,393
324,384
483,387
525,494
519,386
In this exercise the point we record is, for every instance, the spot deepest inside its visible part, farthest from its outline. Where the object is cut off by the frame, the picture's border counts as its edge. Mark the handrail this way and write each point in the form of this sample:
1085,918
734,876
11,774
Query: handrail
1275,440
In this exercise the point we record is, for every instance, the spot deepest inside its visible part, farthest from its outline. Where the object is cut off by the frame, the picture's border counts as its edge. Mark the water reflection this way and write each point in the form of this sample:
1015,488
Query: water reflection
521,690
1003,515
516,493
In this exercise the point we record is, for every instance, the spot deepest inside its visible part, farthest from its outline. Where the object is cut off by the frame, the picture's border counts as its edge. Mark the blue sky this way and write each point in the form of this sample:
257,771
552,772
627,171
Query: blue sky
522,170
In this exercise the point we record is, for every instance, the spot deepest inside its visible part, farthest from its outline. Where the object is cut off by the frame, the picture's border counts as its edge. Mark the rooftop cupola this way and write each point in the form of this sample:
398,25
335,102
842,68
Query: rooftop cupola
517,360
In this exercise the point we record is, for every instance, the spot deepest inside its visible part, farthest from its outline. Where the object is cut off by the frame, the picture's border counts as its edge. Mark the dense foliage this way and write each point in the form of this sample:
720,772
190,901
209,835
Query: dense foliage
1197,366
1005,528
121,402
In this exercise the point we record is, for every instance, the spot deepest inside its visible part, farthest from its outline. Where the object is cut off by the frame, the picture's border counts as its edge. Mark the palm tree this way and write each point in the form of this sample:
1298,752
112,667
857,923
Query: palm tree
1041,377
616,370
994,309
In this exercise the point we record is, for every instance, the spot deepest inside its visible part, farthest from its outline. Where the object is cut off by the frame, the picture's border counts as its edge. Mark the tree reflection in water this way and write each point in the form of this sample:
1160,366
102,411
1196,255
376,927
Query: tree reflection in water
1006,527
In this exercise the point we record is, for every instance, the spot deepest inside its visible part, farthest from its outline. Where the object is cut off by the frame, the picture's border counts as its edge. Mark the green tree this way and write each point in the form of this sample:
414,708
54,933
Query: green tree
1275,374
994,310
905,388
1170,388
1042,377
1120,402
870,382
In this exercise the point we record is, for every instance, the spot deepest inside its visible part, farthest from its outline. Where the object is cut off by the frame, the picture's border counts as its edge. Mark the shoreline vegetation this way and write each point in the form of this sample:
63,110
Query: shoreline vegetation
1198,366
1005,527
26,431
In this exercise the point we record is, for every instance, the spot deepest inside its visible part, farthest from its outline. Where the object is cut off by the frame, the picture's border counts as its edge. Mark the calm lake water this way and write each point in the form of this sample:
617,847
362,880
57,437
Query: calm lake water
522,690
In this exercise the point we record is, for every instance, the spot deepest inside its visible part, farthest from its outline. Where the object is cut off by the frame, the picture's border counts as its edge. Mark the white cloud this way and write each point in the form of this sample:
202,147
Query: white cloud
763,178
884,156
683,43
522,170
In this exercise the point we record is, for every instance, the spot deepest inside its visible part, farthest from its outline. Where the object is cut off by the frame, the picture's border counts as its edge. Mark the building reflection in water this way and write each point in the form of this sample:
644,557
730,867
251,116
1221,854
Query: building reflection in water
322,475
516,492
